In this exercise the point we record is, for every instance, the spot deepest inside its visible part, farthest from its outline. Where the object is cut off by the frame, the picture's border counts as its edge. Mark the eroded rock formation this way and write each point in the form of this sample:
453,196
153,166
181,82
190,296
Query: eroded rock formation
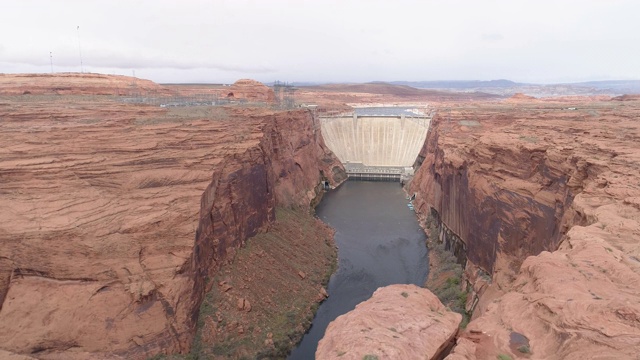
397,322
542,198
250,90
102,201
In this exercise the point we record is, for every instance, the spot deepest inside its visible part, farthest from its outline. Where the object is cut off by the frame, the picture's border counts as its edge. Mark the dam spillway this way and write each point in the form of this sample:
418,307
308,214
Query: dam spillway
376,144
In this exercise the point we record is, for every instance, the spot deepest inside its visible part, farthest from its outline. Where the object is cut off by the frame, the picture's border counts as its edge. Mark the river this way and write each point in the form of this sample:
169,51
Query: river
379,243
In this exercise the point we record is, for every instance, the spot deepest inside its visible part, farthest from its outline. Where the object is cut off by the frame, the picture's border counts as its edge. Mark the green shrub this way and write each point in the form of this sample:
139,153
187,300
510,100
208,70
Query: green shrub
525,349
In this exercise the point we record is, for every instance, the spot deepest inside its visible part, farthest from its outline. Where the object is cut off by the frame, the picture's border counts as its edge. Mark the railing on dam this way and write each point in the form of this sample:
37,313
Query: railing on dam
419,120
375,177
359,171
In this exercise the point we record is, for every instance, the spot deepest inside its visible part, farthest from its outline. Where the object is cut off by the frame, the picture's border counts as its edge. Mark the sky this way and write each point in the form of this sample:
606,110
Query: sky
219,41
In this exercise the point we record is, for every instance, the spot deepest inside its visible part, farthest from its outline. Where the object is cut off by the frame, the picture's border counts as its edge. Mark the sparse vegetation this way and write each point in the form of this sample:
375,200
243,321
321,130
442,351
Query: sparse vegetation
370,357
504,357
445,282
524,349
484,275
404,294
278,321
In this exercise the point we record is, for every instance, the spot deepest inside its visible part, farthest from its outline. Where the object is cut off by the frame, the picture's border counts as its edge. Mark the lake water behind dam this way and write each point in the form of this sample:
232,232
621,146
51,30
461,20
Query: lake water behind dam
379,243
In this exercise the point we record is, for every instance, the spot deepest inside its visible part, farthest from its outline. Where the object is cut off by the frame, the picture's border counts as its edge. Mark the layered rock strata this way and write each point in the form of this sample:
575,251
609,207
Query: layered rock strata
102,203
542,199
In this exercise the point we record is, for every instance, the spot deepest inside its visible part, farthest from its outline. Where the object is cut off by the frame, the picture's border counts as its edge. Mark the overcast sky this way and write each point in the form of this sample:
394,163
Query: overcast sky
325,40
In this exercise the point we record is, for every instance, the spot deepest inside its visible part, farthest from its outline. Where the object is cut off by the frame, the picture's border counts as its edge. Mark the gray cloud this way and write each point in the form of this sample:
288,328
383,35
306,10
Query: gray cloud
124,61
492,37
330,40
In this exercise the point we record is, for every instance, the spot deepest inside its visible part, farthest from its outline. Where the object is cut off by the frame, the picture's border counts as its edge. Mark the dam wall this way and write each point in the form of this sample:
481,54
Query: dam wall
375,141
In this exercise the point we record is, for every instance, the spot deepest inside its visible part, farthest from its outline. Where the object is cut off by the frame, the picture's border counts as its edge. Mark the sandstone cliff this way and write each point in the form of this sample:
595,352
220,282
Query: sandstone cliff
541,201
101,205
397,322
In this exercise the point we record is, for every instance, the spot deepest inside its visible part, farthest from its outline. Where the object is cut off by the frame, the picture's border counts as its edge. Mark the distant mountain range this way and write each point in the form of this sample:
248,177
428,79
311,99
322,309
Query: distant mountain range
504,87
508,87
458,84
620,85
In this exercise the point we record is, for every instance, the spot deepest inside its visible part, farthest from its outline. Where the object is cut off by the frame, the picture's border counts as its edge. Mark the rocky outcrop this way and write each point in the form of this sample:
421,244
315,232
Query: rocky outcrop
102,203
397,322
544,201
76,84
250,90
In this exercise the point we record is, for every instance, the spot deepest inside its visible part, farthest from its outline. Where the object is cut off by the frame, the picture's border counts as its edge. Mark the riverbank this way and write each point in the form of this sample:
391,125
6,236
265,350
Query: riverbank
251,311
445,274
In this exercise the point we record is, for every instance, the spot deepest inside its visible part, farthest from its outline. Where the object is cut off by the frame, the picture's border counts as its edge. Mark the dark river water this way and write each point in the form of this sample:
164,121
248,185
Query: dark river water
379,243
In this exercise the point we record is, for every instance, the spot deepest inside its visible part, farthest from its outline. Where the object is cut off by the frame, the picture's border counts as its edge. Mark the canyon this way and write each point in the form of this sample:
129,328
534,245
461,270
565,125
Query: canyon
117,216
539,201
132,231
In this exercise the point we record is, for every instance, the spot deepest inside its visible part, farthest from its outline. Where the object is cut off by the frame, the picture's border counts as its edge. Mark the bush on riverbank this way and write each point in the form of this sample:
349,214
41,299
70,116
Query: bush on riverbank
445,274
251,311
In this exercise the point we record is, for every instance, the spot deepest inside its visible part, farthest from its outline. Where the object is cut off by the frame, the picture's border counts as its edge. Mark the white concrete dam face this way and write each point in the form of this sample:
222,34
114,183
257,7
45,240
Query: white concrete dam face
375,140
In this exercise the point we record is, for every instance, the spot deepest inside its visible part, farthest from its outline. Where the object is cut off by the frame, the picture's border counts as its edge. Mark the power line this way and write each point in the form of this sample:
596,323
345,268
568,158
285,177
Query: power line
80,49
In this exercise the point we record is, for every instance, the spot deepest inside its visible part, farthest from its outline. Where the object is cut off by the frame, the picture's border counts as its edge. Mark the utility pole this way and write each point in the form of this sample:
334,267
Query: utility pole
80,49
51,60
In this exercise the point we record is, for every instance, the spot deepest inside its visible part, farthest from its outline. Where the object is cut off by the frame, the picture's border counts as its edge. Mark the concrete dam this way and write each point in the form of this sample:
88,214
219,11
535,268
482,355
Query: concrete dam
376,143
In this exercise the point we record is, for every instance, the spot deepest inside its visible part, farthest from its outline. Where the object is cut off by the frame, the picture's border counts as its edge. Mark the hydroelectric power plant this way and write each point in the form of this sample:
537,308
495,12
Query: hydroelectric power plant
377,143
